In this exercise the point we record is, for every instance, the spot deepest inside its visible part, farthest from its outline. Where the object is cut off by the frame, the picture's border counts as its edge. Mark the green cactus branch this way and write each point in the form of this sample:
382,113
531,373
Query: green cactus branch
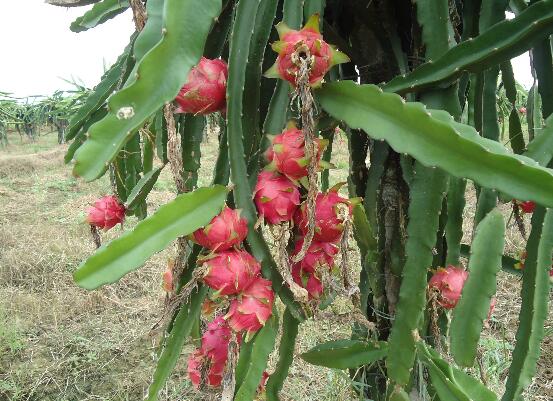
503,41
473,307
160,75
433,138
98,14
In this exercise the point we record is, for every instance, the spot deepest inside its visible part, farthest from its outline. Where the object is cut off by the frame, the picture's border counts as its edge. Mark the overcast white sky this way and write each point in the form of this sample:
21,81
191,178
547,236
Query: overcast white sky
38,49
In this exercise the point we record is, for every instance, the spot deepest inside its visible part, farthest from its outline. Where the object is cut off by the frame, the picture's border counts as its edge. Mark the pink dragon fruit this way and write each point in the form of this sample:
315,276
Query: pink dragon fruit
449,283
252,308
230,272
276,197
199,362
106,212
323,55
215,339
527,207
225,230
318,254
288,153
205,90
328,224
522,110
307,280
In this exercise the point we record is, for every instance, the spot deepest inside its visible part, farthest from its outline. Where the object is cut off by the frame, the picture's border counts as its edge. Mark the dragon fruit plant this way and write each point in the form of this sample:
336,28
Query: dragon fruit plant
412,86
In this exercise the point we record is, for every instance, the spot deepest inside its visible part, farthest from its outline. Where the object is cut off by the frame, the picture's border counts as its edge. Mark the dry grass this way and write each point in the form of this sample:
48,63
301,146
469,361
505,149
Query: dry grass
58,342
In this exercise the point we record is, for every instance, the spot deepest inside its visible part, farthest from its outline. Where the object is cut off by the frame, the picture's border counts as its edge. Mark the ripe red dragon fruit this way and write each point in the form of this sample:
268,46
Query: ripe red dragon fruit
289,153
328,222
276,197
308,280
449,283
323,55
252,308
527,206
215,340
205,90
230,272
225,230
106,212
199,362
319,254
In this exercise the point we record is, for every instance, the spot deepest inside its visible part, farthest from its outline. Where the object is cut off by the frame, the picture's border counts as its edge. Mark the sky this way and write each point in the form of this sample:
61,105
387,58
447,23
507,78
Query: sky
39,50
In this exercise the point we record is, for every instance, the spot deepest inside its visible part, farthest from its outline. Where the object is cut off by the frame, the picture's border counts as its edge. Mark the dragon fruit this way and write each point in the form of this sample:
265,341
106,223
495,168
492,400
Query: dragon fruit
527,206
318,254
449,283
323,55
205,90
212,355
276,197
307,280
230,272
251,309
288,153
225,230
215,340
199,362
522,262
328,223
106,212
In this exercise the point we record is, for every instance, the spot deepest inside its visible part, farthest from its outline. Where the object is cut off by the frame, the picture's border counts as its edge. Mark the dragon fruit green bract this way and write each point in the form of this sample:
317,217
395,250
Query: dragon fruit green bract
276,197
288,153
449,283
252,308
229,272
323,55
328,223
224,231
205,90
106,212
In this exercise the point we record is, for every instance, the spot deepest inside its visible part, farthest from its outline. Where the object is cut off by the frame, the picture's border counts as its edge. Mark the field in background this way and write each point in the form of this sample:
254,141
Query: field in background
59,342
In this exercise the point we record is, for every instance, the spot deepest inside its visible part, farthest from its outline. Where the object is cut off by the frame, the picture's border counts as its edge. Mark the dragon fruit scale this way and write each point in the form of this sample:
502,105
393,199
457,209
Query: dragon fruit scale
106,212
205,90
323,55
252,308
225,230
276,197
230,272
329,224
